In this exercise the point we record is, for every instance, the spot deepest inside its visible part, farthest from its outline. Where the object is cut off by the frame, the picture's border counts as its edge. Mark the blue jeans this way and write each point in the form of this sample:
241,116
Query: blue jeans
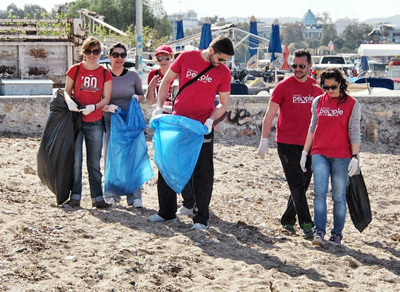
92,132
106,139
337,168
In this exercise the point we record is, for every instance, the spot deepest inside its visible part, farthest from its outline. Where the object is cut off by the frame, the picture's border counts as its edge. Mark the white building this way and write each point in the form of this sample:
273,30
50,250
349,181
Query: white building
189,18
342,23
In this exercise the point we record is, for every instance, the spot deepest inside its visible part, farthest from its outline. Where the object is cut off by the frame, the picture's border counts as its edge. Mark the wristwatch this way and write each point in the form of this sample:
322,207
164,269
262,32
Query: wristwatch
354,156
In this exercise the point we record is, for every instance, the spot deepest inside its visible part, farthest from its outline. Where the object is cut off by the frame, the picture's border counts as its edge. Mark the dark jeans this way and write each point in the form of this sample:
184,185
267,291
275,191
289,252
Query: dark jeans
298,182
203,177
92,134
189,200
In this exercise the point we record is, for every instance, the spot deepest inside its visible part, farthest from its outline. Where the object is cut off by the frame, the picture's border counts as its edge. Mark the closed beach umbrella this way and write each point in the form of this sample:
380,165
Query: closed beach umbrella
253,44
180,34
286,53
275,46
206,35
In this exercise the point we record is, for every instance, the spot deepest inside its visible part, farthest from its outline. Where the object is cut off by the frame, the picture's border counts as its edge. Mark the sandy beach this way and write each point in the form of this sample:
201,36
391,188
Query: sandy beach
47,248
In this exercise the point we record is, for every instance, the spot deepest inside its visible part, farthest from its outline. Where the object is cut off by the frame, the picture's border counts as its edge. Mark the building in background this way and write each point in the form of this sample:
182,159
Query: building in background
189,18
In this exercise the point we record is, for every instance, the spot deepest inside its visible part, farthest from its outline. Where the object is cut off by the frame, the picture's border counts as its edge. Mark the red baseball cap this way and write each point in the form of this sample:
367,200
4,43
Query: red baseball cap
164,49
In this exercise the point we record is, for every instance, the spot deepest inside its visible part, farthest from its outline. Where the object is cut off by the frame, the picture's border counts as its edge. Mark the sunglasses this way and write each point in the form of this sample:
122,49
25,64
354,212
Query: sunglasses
95,52
117,55
333,87
301,66
166,58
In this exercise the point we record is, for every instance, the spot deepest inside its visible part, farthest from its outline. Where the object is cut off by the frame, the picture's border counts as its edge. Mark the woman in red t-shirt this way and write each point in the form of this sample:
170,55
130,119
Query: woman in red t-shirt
164,59
91,88
334,135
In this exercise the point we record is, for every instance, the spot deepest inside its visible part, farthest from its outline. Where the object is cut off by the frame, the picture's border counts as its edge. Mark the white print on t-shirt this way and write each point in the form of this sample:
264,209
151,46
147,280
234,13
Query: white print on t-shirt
302,99
192,74
89,83
326,111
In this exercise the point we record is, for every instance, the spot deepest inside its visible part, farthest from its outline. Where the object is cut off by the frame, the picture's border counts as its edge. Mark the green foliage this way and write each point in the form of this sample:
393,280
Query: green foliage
356,34
328,34
292,33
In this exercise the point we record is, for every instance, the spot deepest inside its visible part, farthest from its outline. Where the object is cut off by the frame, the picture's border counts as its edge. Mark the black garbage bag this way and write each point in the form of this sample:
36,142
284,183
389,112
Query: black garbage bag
55,157
358,202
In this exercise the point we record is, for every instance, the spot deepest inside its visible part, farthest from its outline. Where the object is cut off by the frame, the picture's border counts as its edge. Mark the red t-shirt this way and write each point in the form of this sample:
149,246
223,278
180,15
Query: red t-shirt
331,135
151,75
88,88
196,101
295,99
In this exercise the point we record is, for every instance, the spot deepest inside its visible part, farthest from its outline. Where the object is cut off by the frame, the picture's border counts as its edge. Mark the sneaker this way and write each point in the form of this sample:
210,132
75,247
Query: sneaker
184,211
111,201
318,239
158,218
335,239
307,231
137,203
289,228
101,204
197,226
71,204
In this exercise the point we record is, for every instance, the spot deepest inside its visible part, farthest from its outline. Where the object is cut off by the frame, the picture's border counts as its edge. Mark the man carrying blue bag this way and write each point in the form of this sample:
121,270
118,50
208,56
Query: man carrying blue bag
207,75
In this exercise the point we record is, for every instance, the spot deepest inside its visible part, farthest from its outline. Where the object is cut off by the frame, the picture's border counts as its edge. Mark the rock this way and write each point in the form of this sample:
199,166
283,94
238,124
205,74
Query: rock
72,258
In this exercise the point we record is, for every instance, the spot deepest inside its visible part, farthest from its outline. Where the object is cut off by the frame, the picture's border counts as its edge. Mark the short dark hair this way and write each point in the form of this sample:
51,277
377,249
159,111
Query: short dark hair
303,52
222,44
335,73
117,45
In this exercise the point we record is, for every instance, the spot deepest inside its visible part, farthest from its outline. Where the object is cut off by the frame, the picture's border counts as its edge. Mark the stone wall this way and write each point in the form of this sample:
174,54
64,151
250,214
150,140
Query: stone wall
380,120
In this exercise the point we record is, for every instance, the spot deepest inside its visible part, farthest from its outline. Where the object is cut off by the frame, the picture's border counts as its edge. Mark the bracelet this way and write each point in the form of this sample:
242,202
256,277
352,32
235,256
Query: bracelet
95,107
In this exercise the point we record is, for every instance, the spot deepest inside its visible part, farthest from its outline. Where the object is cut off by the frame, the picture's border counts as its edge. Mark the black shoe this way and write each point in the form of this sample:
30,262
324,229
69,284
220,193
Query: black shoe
288,228
307,231
72,203
101,205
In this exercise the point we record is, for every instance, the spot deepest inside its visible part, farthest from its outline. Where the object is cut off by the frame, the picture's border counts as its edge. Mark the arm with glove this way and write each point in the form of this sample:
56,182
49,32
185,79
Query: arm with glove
169,77
219,110
103,102
266,128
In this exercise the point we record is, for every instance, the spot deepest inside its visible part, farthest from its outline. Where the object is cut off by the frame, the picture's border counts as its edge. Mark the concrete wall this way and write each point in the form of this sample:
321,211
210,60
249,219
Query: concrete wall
380,116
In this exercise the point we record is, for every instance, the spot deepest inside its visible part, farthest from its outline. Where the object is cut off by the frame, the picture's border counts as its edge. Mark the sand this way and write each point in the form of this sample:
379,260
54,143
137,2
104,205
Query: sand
47,248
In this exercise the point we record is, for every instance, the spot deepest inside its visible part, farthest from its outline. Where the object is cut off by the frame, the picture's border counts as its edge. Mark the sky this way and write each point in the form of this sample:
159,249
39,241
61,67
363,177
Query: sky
261,8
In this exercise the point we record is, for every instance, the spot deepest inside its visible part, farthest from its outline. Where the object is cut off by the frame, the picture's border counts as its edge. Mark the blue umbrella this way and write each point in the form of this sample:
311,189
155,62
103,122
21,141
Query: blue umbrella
275,45
180,34
253,43
364,67
206,36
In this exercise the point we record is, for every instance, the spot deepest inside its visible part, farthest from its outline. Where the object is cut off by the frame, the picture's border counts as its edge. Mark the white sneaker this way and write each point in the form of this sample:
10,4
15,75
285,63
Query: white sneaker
137,203
158,218
184,211
197,226
110,201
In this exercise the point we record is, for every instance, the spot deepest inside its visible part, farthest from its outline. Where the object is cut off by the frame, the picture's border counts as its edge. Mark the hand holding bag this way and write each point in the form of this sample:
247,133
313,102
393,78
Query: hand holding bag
358,202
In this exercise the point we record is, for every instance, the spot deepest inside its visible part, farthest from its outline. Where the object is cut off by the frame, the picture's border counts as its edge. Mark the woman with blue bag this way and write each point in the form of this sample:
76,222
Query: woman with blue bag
127,85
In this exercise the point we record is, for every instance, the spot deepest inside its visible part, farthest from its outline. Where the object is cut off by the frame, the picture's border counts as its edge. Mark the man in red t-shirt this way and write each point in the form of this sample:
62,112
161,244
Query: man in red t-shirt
196,101
293,97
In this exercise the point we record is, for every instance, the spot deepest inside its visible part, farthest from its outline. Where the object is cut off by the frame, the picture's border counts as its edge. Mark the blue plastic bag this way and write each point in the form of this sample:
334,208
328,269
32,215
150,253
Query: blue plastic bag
177,143
128,164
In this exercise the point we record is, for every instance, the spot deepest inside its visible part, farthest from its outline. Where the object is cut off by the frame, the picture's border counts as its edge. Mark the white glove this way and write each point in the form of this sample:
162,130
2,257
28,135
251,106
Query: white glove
263,147
303,160
88,109
72,106
157,111
353,166
110,108
209,123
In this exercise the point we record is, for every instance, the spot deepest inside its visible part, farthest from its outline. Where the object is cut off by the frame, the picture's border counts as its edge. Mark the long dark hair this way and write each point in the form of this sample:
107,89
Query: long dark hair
335,73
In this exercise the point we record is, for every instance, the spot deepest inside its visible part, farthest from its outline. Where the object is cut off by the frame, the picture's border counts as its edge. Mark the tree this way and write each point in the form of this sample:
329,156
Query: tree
292,33
355,34
328,34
